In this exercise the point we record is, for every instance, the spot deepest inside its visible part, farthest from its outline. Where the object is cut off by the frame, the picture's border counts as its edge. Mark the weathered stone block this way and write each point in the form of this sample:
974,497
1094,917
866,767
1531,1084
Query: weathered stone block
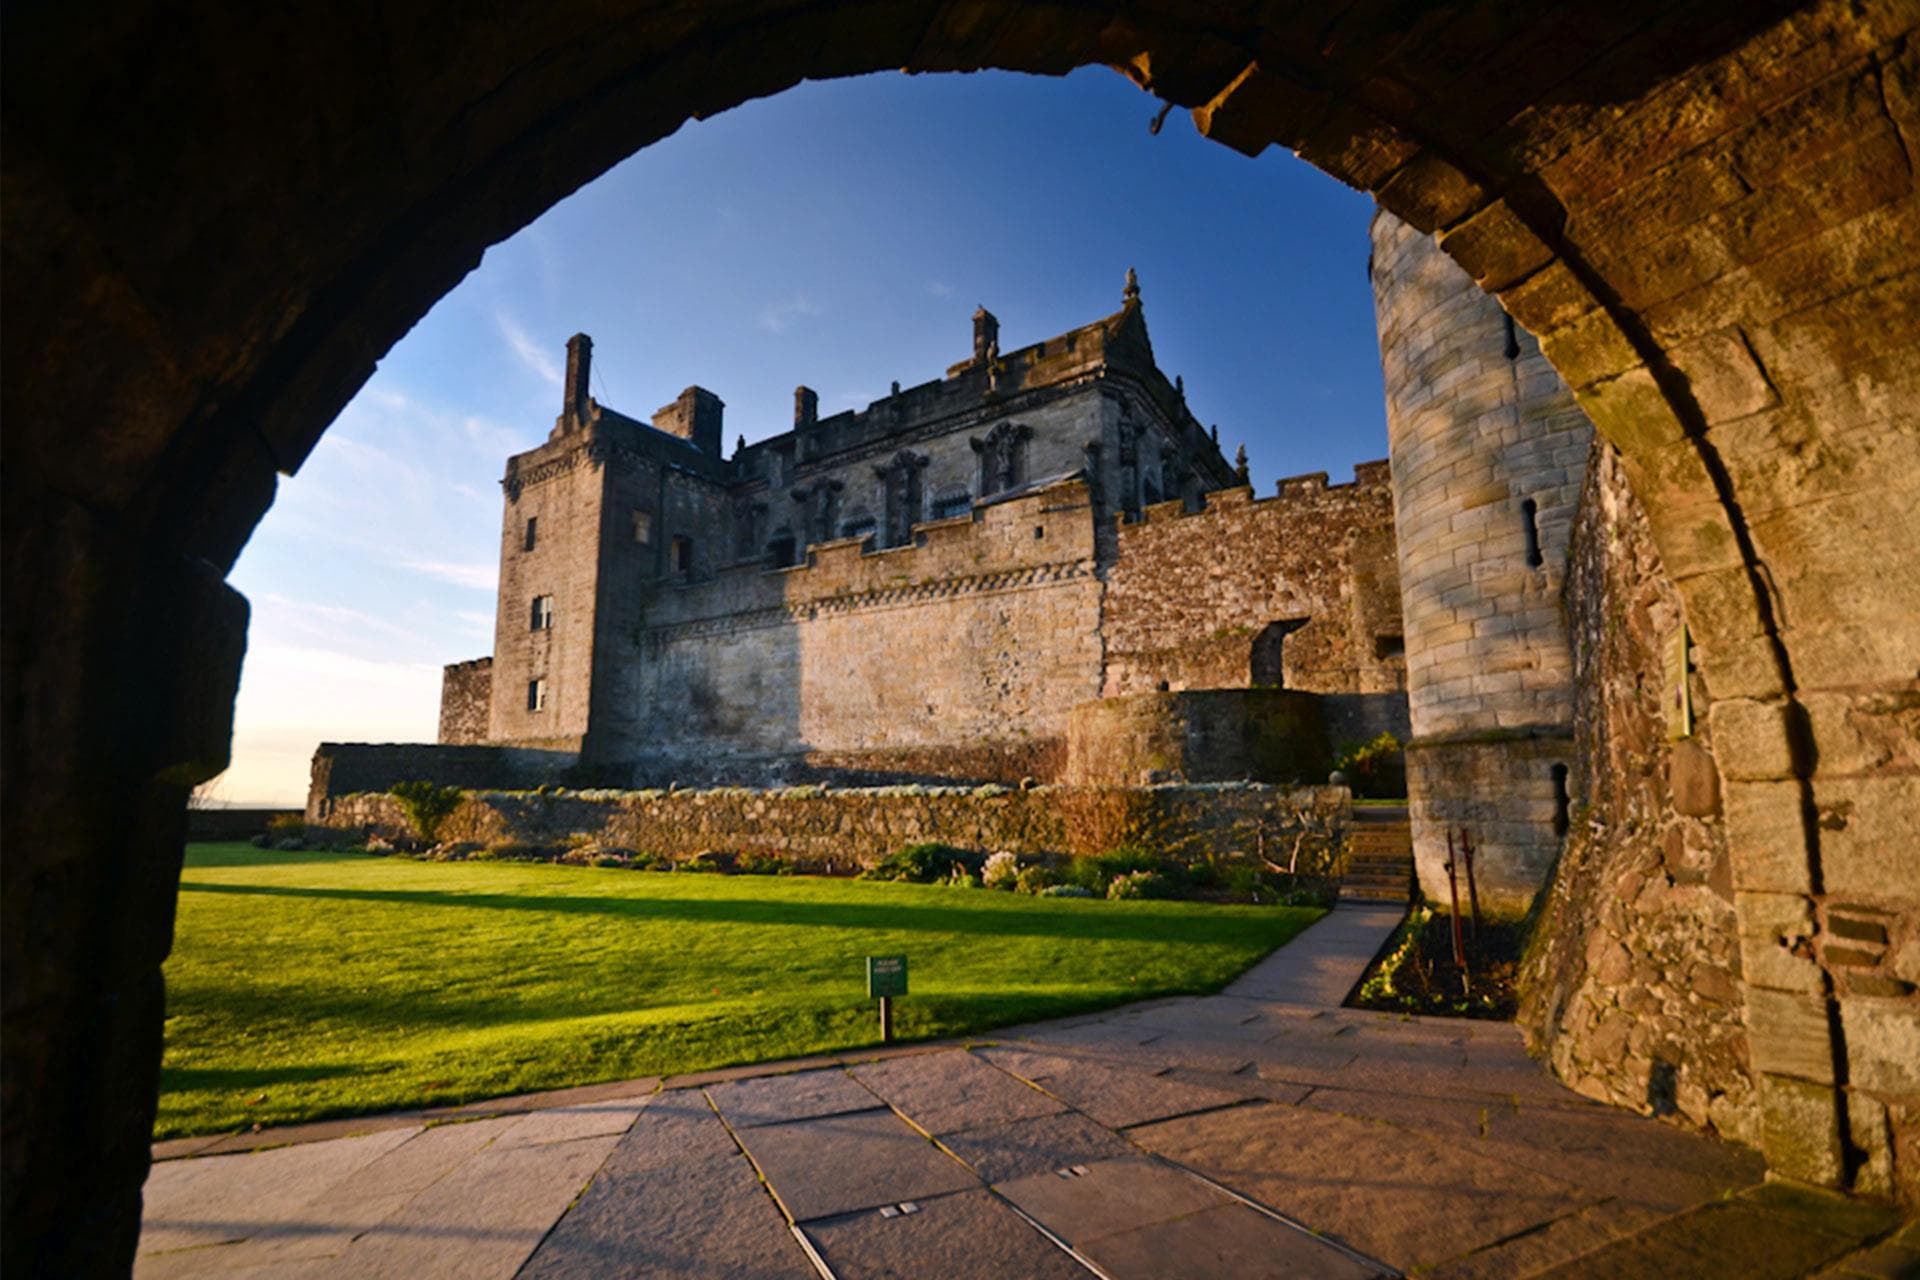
1765,833
1800,1131
1883,1045
1789,1035
1751,740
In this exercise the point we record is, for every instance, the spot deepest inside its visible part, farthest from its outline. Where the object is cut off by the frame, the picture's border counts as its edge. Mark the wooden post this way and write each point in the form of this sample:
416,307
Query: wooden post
886,1019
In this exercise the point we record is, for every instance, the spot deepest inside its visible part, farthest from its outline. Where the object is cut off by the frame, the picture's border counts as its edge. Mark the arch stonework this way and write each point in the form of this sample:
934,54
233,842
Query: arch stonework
218,218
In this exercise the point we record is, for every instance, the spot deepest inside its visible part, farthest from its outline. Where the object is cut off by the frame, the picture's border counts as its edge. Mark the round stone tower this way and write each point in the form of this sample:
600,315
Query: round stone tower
1487,449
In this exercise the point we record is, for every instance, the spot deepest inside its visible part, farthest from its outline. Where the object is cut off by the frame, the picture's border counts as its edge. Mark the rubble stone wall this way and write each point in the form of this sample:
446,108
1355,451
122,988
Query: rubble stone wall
466,694
832,829
1634,993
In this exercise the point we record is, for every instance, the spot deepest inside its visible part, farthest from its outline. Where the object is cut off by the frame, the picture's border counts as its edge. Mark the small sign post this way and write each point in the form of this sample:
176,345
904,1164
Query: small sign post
886,978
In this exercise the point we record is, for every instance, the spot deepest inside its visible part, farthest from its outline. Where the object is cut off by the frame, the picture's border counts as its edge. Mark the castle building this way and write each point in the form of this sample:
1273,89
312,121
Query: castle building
929,586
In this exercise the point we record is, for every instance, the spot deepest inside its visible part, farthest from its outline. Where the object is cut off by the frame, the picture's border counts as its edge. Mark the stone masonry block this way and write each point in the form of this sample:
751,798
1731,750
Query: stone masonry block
1870,836
1775,941
1800,1130
1883,1045
1496,247
1750,739
1259,108
1765,835
1787,1033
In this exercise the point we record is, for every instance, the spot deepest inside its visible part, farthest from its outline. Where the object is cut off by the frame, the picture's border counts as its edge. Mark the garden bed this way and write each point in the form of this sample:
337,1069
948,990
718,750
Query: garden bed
1417,973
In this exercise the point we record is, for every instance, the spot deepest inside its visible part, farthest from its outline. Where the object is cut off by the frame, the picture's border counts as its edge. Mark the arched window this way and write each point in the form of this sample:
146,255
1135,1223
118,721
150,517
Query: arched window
1266,663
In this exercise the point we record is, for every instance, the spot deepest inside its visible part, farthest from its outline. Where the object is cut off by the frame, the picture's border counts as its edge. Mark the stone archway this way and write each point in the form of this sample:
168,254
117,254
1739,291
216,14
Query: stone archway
218,219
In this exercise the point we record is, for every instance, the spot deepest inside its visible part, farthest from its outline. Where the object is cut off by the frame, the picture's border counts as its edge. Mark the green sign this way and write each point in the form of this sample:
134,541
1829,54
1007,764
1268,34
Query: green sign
886,976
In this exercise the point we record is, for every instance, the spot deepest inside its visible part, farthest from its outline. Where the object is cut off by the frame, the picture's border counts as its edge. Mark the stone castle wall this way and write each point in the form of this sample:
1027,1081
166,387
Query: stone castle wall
1199,735
1634,993
963,652
466,698
1487,447
349,768
840,830
1191,597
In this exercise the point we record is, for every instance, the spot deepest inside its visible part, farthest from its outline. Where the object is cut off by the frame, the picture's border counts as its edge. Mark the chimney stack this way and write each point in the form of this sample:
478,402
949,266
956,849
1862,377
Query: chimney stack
986,336
578,404
806,408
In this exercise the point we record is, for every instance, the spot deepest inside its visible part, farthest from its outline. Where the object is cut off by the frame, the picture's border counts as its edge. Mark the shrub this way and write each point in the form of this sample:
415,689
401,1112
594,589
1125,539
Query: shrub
925,864
1000,871
1139,884
707,861
609,860
1066,891
283,825
1036,879
1246,884
427,805
1376,769
754,863
508,851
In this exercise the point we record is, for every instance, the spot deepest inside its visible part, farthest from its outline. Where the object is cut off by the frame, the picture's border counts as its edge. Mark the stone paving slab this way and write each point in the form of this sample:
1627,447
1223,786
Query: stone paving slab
1225,1242
1109,1196
327,1225
482,1220
970,1235
1556,1243
676,1126
1774,1232
1393,1195
947,1092
838,1164
317,1131
695,1219
1001,1153
799,1096
196,1202
566,1124
1115,1098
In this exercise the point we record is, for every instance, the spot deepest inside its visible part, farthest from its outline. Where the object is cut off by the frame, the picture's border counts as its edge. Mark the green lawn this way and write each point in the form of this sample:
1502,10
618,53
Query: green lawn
305,985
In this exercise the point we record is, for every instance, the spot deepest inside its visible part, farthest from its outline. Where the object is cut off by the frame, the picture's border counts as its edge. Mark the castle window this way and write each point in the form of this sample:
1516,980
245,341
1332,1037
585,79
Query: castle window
1530,512
542,613
536,695
533,524
682,549
643,527
1562,802
949,505
865,527
1153,490
1385,647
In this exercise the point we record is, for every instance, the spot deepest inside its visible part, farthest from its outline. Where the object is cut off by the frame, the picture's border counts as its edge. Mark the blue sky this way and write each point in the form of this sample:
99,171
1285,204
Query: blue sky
838,235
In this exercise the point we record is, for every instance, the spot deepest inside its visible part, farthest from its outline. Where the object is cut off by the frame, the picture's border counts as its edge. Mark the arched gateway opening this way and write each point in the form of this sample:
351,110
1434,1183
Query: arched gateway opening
1707,217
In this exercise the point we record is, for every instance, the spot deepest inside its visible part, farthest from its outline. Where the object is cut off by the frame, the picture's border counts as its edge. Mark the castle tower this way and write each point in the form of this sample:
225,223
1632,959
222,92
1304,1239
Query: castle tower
1487,449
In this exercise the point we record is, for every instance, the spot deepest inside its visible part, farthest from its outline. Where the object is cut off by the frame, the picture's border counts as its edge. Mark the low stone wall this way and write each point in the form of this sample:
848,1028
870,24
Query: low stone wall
1198,735
349,768
840,830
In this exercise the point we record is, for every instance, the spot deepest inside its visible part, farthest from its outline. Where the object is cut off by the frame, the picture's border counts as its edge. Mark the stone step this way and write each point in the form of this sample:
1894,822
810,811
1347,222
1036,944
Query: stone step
1372,893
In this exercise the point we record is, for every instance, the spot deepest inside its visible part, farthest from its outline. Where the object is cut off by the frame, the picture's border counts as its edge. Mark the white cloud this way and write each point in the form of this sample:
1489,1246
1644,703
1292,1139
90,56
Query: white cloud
939,289
778,317
476,577
478,623
532,354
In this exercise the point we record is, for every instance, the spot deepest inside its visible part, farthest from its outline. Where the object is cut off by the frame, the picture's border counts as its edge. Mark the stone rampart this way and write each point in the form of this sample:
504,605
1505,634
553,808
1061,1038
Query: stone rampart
831,829
1198,735
1299,591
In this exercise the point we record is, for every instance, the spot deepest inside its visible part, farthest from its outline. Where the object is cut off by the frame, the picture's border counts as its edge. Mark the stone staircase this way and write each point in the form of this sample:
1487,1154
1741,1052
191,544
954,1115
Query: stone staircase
1379,856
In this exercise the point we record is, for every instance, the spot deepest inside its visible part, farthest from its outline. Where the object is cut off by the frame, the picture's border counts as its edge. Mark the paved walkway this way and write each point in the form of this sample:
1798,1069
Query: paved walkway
1261,1132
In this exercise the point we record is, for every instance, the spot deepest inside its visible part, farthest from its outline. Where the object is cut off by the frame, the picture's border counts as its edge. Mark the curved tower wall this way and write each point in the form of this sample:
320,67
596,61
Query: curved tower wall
1487,449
